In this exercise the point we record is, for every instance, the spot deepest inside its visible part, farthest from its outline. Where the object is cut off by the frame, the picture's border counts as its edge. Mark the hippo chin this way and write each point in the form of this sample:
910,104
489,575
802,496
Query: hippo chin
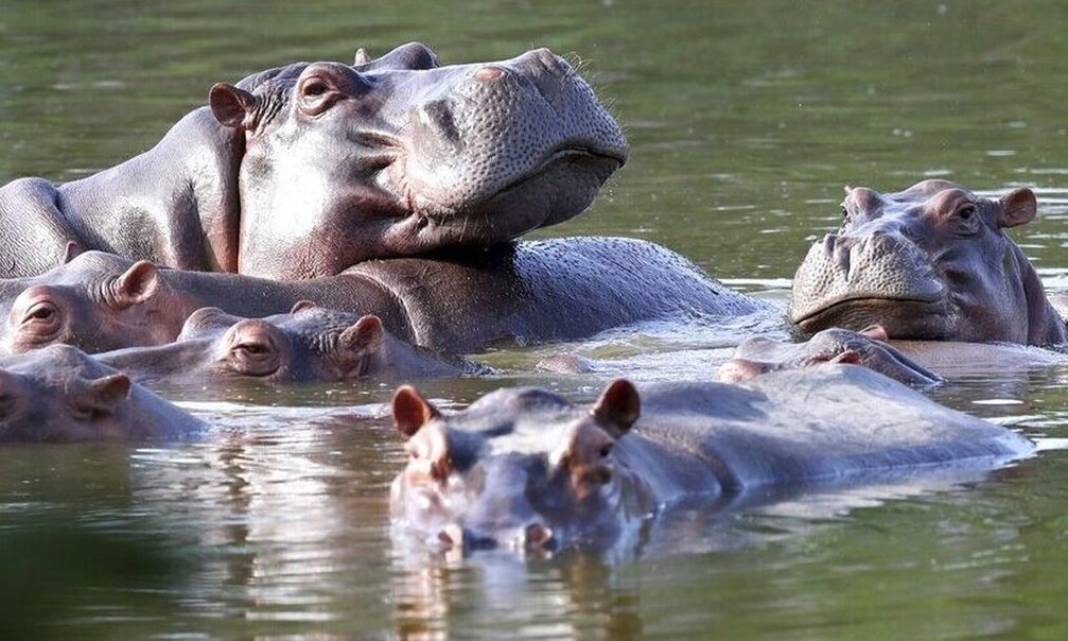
307,169
59,394
308,345
929,263
524,468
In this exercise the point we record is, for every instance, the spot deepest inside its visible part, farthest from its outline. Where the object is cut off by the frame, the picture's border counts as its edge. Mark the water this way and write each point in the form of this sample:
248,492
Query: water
746,119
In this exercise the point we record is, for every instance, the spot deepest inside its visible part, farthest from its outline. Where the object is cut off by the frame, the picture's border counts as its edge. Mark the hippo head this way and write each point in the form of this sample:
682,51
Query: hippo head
310,344
760,355
520,468
95,301
60,394
932,263
399,155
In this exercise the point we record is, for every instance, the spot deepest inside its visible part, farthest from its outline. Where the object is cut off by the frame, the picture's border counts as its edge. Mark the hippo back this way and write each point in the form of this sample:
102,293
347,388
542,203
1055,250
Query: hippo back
560,289
818,425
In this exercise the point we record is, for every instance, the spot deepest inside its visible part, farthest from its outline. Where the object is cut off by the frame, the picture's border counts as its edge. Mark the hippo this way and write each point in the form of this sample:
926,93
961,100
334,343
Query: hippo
304,170
309,345
524,468
60,394
932,262
529,292
759,355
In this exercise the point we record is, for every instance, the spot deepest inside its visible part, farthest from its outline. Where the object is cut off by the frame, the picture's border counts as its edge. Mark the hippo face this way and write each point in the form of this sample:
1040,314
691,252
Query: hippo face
519,468
932,263
398,156
96,302
310,344
60,394
760,355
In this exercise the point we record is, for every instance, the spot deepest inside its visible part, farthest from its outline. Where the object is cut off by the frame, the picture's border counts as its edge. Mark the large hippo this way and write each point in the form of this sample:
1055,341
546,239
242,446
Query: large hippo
309,345
524,467
59,394
932,262
308,169
530,292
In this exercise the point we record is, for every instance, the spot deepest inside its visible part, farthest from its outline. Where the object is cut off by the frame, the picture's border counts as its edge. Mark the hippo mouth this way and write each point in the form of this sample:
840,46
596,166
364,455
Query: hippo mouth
903,318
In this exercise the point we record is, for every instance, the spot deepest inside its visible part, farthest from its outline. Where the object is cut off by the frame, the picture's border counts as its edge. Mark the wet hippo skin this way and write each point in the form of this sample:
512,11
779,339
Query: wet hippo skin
532,292
525,468
932,262
309,345
307,169
60,394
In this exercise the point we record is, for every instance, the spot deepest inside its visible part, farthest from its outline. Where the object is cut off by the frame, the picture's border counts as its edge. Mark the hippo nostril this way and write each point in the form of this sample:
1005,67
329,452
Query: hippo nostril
489,74
538,535
452,535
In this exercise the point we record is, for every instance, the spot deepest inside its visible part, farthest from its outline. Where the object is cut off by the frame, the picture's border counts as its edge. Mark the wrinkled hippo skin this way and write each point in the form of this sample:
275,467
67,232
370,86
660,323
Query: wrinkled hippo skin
309,345
305,170
760,355
532,292
59,394
930,263
525,468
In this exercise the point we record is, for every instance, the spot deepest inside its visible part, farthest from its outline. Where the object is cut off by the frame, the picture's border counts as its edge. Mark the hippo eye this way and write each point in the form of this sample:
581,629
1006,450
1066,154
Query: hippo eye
315,88
252,349
966,212
606,450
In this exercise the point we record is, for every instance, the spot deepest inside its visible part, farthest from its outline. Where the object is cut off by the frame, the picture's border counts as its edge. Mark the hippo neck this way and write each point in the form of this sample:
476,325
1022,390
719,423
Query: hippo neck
179,200
1045,326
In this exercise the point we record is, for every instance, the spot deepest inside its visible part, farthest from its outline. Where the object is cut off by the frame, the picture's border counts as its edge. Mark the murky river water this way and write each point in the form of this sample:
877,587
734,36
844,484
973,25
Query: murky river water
746,119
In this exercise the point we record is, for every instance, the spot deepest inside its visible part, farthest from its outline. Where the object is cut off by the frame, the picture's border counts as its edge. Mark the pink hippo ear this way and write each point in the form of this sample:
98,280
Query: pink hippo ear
618,408
137,285
102,395
1018,207
302,305
366,335
72,250
231,106
361,57
411,411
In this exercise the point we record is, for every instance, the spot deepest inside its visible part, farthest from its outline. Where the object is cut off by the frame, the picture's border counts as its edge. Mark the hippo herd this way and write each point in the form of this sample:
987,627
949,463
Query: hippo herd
331,222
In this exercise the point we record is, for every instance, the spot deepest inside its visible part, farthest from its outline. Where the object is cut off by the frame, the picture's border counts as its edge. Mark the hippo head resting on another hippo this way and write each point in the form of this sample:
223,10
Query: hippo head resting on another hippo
930,263
398,156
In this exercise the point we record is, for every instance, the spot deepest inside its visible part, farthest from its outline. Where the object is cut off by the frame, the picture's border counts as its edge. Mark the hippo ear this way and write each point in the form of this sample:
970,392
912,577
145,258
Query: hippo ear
232,106
101,395
367,335
1018,207
361,57
848,357
137,285
411,411
301,305
72,250
618,408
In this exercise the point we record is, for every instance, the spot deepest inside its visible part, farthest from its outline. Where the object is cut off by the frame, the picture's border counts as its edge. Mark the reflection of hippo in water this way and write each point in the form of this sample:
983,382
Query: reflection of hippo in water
533,292
308,169
60,394
525,467
311,344
930,263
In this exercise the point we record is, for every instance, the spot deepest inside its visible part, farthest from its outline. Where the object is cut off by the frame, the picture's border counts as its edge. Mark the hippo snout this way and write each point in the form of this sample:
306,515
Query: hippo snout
533,537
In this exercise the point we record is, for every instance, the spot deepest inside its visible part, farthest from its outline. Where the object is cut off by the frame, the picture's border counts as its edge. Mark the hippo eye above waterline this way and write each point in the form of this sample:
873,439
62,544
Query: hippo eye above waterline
315,88
606,450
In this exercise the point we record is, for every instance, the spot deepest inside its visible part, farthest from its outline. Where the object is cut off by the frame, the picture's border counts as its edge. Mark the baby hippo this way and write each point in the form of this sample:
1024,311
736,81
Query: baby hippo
759,355
59,394
309,344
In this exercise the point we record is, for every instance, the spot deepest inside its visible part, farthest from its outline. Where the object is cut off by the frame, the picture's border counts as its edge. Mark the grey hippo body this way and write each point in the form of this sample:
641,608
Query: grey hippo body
60,394
526,468
530,292
309,345
307,169
932,262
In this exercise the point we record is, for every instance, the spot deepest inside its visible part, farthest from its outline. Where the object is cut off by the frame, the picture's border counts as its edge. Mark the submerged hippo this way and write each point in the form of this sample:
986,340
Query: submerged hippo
760,355
532,292
310,344
307,169
59,394
525,467
932,262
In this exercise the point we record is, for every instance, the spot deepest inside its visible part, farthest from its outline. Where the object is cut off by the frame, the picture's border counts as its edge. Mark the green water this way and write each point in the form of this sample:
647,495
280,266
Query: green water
745,121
